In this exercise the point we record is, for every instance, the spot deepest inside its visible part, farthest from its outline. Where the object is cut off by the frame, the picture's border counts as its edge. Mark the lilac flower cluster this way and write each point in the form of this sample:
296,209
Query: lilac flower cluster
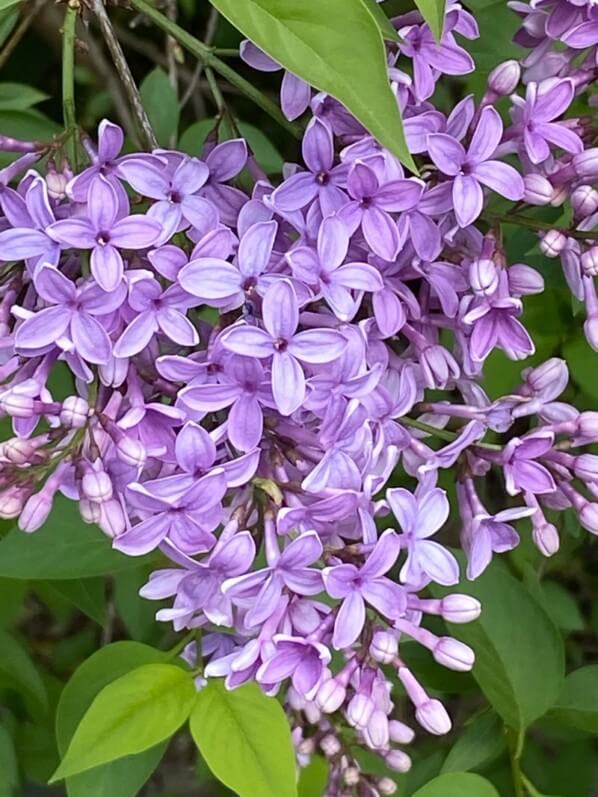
249,371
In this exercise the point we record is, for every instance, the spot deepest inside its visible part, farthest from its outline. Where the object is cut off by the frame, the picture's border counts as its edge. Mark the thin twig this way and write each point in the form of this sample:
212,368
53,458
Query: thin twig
211,28
68,80
122,67
206,54
533,224
20,31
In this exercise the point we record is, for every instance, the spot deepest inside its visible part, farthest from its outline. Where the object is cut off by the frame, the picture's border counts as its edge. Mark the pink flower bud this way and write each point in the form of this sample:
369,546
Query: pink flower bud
97,486
306,747
552,243
384,647
457,608
360,710
330,745
584,201
454,654
504,78
11,502
398,760
35,512
386,786
330,696
19,450
538,190
56,182
400,733
433,717
589,261
112,518
524,280
17,405
90,512
483,277
74,412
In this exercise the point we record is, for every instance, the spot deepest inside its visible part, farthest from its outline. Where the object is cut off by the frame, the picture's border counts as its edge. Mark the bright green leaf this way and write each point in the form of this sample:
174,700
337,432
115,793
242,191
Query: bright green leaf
125,777
433,13
305,37
18,672
480,742
8,3
192,140
577,704
130,715
245,739
457,784
160,102
509,654
386,29
63,548
313,778
8,20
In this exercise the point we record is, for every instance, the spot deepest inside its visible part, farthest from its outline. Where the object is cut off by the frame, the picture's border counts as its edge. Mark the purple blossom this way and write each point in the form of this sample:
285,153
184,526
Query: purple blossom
522,471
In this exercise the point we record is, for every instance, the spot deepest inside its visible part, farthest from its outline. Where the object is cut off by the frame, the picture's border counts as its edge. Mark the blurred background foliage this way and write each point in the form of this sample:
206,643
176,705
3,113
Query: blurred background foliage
65,594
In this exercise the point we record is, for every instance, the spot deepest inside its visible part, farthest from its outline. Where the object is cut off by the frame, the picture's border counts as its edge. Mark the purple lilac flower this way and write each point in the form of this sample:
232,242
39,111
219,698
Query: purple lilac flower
295,93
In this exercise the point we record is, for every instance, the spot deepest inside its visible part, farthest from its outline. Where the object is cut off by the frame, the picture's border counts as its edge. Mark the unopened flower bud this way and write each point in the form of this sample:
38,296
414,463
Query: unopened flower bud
504,78
589,261
360,710
306,747
296,700
17,405
35,512
386,786
313,713
351,776
400,733
433,717
584,201
538,190
454,654
384,647
552,243
459,608
524,280
586,164
97,486
587,425
114,372
90,511
11,502
19,450
588,517
56,182
547,374
74,412
112,518
330,745
483,277
377,729
131,451
586,467
546,538
398,760
590,330
330,696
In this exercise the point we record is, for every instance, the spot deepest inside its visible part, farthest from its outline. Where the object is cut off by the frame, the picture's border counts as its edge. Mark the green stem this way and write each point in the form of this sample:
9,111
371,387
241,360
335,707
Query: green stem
533,224
207,56
180,645
515,741
68,80
215,90
530,788
442,434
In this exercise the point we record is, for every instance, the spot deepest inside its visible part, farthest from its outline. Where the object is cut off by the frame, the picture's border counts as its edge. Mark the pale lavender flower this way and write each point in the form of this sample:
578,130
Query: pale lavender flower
522,471
295,93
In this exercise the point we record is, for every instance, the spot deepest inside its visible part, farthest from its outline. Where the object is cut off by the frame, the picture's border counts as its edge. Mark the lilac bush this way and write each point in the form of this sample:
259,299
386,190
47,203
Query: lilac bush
254,371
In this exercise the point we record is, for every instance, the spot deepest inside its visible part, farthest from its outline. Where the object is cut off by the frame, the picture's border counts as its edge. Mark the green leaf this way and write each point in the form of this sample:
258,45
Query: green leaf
8,3
160,102
137,613
510,655
313,778
192,140
9,773
386,29
433,13
582,364
87,595
266,154
18,672
130,715
306,38
28,125
19,97
125,777
457,784
63,548
481,741
245,739
577,704
561,606
8,21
